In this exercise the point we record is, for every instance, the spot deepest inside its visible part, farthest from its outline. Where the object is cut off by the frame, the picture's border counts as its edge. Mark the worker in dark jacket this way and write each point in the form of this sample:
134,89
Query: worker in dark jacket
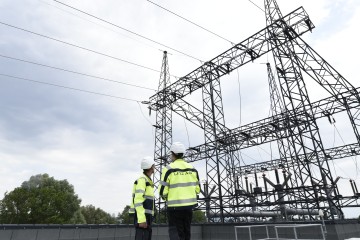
142,204
179,187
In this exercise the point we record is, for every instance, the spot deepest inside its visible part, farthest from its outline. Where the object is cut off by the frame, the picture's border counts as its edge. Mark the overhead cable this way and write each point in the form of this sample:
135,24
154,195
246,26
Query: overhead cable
333,147
103,26
127,30
77,46
187,133
354,158
257,6
71,88
79,73
249,157
151,125
207,30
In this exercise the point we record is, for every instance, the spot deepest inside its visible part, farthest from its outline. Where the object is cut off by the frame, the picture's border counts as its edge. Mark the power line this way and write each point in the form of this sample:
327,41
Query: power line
79,73
77,46
71,88
356,165
241,158
257,6
250,157
207,30
96,23
239,92
127,30
187,133
333,147
151,124
142,113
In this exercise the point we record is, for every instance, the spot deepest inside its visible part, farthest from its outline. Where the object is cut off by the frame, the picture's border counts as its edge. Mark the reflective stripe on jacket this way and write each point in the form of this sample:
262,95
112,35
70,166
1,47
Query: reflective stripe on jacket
142,198
179,184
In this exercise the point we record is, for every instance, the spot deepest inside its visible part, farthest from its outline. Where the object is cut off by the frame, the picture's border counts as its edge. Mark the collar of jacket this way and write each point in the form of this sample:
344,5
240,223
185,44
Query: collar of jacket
179,159
149,179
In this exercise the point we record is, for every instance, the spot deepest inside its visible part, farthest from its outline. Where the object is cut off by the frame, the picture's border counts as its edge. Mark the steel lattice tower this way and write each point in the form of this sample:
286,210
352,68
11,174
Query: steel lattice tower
295,96
220,162
163,131
303,181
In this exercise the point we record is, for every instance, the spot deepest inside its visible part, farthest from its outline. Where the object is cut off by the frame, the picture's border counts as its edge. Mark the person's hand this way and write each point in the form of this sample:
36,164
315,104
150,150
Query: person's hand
143,225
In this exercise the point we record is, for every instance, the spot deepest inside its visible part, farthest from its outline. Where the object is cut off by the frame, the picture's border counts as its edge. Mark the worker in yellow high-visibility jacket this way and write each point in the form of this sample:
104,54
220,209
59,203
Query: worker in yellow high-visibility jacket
179,187
142,204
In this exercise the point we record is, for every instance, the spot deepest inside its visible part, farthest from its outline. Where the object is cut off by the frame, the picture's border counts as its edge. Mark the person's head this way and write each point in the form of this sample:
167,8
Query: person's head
148,165
177,151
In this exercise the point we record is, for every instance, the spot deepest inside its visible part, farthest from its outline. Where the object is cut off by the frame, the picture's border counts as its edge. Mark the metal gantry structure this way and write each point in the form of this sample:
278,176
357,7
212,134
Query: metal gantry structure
302,182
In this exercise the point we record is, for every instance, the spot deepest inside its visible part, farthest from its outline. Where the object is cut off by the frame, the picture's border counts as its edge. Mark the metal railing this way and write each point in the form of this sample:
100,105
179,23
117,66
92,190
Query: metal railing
266,229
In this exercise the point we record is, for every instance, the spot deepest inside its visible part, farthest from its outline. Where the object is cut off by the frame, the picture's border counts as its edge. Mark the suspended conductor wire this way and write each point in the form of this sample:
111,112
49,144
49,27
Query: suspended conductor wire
260,155
239,88
75,15
65,87
354,159
238,80
240,101
79,73
187,20
271,152
142,113
257,6
134,39
343,172
263,150
77,46
333,147
251,158
241,158
127,30
187,133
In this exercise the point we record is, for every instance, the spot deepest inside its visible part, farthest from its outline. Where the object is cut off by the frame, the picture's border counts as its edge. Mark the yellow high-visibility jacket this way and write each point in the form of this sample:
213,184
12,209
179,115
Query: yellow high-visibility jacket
179,184
142,198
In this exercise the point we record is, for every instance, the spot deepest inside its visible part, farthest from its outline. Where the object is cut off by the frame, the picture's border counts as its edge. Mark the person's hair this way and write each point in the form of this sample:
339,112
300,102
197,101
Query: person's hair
178,156
146,170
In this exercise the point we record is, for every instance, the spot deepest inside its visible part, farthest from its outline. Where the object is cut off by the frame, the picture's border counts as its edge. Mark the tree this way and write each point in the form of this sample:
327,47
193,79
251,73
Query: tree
95,215
125,217
78,218
160,217
42,199
198,217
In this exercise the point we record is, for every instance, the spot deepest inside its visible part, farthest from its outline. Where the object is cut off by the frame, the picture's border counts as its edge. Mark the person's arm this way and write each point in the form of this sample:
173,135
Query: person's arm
164,184
138,202
197,188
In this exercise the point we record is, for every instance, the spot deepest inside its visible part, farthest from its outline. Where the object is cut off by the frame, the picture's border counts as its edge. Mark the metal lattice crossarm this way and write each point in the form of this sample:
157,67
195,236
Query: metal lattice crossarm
319,69
331,154
297,23
272,128
326,107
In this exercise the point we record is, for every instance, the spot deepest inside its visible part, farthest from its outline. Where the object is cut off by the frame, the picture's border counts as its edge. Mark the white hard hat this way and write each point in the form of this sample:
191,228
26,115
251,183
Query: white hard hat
147,162
177,147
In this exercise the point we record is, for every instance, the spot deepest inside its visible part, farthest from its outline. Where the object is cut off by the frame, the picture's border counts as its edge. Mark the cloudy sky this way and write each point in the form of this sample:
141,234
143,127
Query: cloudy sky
95,141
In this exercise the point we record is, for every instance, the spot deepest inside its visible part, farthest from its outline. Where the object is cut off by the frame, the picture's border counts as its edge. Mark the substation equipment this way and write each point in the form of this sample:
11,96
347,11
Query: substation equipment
302,181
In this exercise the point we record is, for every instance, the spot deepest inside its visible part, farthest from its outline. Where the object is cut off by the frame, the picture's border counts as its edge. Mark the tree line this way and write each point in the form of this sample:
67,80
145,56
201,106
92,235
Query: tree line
45,200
